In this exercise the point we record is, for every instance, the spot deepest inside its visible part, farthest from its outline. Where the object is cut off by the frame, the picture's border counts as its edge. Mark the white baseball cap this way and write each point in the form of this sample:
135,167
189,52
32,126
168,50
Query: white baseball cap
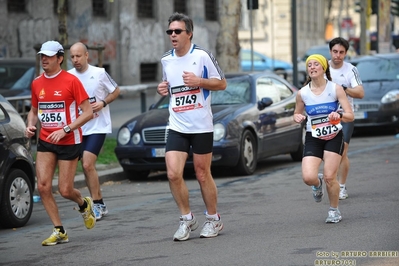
51,48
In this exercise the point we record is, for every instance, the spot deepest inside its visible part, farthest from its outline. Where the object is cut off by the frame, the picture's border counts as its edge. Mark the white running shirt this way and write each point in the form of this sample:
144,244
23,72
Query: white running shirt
98,84
318,107
190,108
347,75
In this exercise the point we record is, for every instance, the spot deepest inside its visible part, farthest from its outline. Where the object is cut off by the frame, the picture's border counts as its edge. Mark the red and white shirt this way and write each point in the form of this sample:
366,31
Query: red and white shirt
57,99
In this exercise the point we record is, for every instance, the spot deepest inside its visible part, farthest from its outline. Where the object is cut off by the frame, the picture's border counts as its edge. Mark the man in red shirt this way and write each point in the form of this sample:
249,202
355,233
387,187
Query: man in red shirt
56,98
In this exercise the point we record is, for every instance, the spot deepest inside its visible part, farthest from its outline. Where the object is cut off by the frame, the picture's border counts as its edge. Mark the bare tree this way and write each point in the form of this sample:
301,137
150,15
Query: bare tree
62,27
228,46
327,17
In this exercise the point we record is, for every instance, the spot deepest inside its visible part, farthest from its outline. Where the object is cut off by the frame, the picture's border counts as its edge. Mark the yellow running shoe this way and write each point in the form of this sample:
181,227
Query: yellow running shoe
88,214
56,238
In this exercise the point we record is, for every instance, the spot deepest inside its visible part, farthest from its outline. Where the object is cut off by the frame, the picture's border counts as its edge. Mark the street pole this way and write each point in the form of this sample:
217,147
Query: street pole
250,6
294,43
272,31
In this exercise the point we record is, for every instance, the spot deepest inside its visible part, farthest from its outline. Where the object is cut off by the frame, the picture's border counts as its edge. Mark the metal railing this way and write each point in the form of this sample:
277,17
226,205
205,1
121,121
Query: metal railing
21,104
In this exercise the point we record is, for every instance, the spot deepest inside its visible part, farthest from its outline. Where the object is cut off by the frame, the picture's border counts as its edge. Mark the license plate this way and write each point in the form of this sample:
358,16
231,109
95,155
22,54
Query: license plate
360,115
158,152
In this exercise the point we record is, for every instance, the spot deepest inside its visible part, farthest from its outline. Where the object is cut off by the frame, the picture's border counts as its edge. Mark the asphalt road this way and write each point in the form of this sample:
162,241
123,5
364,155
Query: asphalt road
270,219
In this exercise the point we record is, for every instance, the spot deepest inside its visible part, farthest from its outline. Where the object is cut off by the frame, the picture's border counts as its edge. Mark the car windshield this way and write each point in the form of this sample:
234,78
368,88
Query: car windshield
378,70
238,91
16,76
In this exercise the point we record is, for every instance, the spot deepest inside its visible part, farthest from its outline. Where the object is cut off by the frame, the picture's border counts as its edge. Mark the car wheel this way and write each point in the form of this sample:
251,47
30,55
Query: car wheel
136,175
298,154
17,201
248,154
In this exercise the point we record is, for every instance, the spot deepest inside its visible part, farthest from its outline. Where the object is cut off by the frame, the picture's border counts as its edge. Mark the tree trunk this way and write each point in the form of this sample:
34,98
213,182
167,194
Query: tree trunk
62,29
228,46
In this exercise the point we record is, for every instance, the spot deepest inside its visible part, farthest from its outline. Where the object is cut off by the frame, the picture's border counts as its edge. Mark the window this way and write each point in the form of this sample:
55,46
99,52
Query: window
148,72
99,8
238,91
56,6
145,9
211,10
272,88
180,6
17,6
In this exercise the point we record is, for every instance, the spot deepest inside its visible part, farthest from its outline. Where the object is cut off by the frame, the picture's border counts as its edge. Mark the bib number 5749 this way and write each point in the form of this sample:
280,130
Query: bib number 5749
187,99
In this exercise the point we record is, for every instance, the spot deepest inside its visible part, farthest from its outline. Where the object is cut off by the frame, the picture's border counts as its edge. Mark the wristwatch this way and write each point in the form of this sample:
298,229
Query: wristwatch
104,102
67,129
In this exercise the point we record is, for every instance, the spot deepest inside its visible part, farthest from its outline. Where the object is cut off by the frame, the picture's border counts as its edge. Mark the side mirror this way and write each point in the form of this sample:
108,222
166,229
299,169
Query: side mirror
265,102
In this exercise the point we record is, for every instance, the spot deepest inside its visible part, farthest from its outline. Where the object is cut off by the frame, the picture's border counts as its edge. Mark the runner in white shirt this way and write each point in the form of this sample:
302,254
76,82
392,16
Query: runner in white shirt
346,75
102,90
189,75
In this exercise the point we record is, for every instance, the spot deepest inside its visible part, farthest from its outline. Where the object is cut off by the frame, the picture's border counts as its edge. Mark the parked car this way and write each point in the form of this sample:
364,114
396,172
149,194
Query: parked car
16,76
17,174
253,120
261,62
324,50
380,106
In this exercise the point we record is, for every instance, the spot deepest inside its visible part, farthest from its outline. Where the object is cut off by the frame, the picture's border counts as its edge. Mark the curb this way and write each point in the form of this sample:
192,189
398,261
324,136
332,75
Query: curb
114,174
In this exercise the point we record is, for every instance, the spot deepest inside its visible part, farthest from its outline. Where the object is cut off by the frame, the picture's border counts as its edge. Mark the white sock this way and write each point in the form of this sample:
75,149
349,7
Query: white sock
214,216
188,216
342,185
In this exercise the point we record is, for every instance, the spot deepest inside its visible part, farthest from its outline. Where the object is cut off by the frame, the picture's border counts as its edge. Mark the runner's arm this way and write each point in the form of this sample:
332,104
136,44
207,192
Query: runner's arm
87,114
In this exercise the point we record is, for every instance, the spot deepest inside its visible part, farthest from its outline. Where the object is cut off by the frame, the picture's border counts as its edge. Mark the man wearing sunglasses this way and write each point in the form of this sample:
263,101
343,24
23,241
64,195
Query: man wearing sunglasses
190,73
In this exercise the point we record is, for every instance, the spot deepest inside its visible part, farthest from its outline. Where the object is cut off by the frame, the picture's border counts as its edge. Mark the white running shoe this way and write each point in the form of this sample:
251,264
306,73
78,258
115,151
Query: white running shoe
211,227
343,193
318,191
185,227
334,216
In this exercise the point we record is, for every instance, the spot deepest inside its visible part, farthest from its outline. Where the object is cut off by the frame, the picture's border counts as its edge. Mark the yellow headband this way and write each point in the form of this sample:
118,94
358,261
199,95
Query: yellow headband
319,58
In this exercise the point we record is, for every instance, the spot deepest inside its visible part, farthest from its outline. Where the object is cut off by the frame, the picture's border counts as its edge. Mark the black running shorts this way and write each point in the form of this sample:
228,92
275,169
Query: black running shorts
63,152
316,147
201,143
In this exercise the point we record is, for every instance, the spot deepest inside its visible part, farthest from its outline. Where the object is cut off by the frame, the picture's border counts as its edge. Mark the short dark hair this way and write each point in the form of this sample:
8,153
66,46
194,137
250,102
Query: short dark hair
60,53
186,19
341,41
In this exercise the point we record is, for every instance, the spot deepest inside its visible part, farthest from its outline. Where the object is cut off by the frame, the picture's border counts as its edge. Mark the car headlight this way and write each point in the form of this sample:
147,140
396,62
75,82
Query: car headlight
218,131
136,138
124,135
390,97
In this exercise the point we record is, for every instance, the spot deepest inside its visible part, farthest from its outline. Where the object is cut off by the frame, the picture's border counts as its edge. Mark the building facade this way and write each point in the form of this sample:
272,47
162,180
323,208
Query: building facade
132,31
272,30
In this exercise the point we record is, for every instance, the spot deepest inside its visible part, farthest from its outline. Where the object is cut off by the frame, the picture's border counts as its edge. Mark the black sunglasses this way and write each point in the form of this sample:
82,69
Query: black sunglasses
177,31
